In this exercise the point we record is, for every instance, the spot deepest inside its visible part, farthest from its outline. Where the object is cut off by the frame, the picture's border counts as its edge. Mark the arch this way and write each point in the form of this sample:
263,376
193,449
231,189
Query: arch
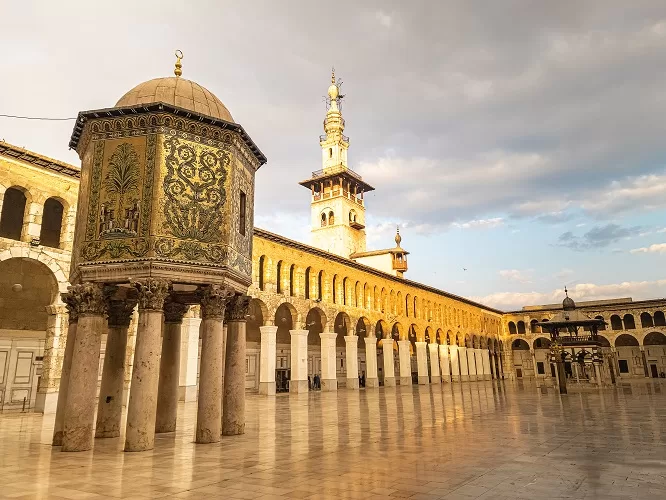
626,340
363,327
646,320
629,323
428,336
381,329
440,337
398,304
358,295
323,219
449,338
376,303
541,343
320,286
257,314
315,323
408,301
262,265
292,280
367,297
512,328
13,213
286,318
331,218
654,338
474,342
335,290
341,327
49,235
616,322
603,326
278,277
604,341
659,319
383,301
483,344
520,345
521,327
392,305
397,331
307,282
413,336
344,291
416,310
534,328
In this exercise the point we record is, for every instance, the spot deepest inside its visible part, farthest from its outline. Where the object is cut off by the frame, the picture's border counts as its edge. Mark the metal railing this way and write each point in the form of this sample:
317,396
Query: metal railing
335,170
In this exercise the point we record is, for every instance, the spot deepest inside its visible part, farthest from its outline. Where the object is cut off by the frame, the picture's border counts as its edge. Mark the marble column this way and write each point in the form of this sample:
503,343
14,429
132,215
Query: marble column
169,381
454,358
445,365
213,300
433,351
267,358
371,377
110,402
389,366
329,380
351,355
142,405
189,354
66,368
471,364
233,407
405,362
422,362
462,360
485,357
534,364
82,388
299,361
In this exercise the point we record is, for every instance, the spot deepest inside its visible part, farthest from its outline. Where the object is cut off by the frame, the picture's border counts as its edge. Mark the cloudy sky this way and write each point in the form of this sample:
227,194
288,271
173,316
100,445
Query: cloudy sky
523,141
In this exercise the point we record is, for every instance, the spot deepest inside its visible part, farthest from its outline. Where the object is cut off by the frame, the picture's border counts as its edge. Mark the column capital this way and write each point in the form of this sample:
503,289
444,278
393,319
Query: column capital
328,335
174,311
268,329
152,293
351,338
297,333
120,311
213,300
85,298
237,308
419,343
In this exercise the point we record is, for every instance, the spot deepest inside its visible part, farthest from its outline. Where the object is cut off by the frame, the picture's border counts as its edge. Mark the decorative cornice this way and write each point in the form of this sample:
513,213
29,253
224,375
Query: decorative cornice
152,293
213,301
38,160
237,308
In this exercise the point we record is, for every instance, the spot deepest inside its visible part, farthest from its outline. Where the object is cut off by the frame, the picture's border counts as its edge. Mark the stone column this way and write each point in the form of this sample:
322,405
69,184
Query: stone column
209,404
66,368
422,362
142,405
189,354
471,364
299,361
110,402
329,380
233,407
462,360
433,350
389,367
267,357
169,381
371,377
405,362
454,359
534,364
491,366
32,224
485,356
446,363
351,355
82,388
54,350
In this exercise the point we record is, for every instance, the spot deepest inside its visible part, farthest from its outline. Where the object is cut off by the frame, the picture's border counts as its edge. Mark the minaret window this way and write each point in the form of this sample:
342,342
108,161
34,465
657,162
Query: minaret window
330,152
323,220
242,216
331,219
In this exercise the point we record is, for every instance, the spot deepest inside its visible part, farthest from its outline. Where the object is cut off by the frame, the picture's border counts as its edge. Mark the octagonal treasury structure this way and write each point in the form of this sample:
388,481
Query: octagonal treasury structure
166,191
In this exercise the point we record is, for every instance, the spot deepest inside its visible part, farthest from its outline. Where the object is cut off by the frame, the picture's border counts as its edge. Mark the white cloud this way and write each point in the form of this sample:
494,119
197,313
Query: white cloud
384,19
656,248
517,275
563,273
479,223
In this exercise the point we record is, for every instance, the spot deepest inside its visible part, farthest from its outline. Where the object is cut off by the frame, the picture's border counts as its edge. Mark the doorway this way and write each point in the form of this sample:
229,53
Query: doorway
653,371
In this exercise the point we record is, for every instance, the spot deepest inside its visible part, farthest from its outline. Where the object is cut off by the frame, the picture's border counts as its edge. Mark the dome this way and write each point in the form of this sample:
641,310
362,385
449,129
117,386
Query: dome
568,304
177,92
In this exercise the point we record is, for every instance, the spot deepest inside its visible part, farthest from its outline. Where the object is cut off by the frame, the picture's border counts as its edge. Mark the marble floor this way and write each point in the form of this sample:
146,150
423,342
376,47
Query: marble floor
475,440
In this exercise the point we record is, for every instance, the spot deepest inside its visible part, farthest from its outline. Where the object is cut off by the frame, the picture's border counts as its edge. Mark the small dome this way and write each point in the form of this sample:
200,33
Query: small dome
568,304
333,91
178,92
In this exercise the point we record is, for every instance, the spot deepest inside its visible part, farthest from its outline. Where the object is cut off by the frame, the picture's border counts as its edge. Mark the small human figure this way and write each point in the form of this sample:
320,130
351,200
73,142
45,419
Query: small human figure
363,379
316,381
309,383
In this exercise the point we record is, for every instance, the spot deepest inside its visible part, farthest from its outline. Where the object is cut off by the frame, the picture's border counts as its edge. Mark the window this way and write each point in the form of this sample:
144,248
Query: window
307,283
291,279
49,236
13,208
241,222
624,365
262,260
320,286
334,290
278,280
323,220
330,152
540,368
331,219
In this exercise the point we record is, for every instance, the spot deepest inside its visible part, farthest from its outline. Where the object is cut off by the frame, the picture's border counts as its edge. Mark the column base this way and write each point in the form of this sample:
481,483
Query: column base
424,380
46,402
329,385
371,383
352,383
464,378
435,379
472,378
267,388
405,380
298,386
456,378
187,393
389,381
487,377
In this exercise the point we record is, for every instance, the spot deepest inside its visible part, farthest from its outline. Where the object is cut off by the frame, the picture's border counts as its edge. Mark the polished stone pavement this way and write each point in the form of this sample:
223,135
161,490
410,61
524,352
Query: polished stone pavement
475,440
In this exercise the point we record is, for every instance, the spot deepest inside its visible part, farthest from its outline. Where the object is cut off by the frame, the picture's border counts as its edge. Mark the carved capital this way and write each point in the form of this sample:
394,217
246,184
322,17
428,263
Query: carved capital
152,293
120,310
213,300
237,308
86,298
174,311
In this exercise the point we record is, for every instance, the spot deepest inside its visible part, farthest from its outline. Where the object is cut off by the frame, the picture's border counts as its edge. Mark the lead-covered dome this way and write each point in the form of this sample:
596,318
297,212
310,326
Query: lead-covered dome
178,92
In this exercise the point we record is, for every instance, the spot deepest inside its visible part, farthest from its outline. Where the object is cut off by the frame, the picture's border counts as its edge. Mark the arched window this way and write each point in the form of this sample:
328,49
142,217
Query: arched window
307,283
335,279
646,320
49,235
292,269
344,291
659,319
320,286
521,327
408,299
330,152
534,328
13,210
629,323
415,310
262,261
278,277
616,322
331,219
323,220
512,328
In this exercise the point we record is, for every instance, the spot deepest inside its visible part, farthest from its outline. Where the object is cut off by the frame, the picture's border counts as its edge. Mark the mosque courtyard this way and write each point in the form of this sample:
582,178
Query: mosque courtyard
494,440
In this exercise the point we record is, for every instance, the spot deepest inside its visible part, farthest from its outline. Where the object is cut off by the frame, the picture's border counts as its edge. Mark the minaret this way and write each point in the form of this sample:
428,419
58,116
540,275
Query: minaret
337,206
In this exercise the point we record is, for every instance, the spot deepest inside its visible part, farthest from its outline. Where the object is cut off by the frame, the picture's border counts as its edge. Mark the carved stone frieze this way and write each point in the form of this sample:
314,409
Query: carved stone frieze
85,298
213,300
152,293
174,311
237,308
